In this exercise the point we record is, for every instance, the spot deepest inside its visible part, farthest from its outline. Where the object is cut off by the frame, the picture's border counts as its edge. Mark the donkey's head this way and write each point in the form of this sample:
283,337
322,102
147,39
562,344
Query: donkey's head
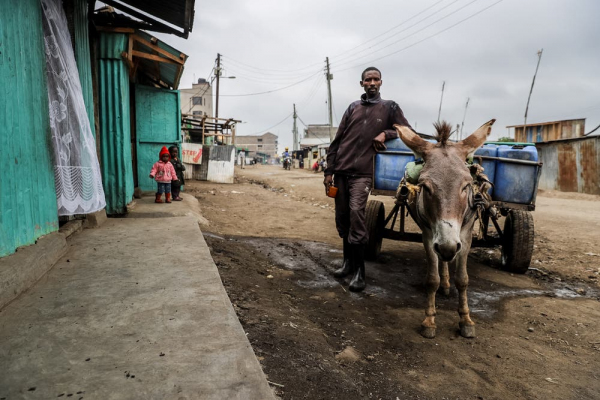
445,199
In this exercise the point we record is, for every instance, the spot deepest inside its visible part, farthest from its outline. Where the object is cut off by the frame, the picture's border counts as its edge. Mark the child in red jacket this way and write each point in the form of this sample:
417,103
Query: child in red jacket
163,172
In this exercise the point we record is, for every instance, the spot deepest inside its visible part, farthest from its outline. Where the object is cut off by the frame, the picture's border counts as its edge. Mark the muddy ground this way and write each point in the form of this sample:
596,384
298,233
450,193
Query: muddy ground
273,238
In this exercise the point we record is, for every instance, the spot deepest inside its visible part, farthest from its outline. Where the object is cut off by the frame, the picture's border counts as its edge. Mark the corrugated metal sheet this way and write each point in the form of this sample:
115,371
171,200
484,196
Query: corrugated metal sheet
571,165
169,73
177,12
82,56
115,123
158,124
28,196
221,164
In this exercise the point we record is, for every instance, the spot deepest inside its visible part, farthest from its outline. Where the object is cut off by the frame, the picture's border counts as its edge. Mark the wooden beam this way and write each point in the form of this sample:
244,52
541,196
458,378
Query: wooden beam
127,60
112,29
154,47
152,57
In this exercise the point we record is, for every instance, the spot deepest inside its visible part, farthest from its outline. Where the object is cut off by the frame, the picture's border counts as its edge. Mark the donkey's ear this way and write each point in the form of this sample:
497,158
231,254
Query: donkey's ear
476,139
417,144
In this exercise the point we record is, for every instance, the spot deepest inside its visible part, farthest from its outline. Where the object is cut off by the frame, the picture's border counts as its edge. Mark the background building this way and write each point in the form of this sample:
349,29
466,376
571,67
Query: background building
546,131
316,134
265,144
197,100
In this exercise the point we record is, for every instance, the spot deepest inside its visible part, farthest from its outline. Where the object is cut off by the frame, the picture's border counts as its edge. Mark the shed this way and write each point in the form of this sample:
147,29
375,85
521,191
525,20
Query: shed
547,131
571,165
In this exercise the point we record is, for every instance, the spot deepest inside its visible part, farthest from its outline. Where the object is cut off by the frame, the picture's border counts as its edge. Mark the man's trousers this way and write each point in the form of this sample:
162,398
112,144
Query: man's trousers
350,204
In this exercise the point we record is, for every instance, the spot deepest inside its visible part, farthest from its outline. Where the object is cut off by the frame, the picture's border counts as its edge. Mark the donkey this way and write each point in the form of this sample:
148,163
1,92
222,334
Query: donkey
444,210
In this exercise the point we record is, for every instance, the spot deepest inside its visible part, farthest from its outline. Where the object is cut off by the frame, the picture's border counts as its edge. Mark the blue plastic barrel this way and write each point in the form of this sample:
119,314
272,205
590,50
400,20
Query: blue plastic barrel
515,183
389,168
396,145
489,166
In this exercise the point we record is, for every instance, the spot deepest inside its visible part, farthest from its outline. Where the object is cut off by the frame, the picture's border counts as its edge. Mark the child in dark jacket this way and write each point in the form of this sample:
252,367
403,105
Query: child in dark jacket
179,168
163,172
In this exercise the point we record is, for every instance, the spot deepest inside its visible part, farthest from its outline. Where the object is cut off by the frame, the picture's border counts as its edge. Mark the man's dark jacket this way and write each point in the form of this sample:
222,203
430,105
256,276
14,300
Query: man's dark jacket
351,152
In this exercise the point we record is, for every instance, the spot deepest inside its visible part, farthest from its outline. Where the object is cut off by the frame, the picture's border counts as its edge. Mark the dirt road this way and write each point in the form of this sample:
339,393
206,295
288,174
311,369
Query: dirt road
273,238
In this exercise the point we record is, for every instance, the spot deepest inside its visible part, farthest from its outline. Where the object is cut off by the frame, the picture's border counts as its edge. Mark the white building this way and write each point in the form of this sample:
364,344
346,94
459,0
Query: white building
198,100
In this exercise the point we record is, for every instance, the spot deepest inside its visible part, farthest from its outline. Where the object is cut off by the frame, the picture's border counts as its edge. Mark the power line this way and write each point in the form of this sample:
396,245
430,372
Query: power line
389,30
422,40
260,69
403,30
410,35
271,127
270,91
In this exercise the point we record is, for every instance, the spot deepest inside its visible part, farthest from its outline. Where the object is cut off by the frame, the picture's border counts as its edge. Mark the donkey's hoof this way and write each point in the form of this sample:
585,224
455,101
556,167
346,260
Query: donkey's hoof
467,331
445,291
428,332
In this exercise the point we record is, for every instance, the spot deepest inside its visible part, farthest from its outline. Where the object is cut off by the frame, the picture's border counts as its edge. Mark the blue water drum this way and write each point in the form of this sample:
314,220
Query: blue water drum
489,166
515,183
396,145
390,165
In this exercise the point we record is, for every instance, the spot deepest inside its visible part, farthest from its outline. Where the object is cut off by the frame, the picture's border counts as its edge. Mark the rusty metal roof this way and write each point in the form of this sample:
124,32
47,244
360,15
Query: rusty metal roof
164,16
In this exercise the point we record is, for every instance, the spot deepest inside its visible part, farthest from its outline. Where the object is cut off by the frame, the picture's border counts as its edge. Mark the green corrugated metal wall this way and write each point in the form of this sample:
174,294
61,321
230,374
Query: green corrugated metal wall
158,124
82,56
27,193
115,120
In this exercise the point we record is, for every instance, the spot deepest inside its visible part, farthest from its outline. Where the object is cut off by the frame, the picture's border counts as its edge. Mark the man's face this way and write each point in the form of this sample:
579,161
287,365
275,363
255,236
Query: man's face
371,83
173,153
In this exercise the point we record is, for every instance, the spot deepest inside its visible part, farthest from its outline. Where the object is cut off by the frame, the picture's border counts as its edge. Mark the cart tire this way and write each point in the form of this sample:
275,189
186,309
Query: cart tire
374,218
517,245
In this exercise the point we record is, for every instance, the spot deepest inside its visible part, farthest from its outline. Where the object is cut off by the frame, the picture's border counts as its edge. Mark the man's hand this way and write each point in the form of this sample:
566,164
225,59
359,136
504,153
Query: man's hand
378,142
328,181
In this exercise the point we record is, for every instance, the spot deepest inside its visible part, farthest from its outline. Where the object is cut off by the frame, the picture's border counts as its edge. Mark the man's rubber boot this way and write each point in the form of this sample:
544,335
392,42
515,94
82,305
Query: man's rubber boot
158,198
167,197
358,283
347,265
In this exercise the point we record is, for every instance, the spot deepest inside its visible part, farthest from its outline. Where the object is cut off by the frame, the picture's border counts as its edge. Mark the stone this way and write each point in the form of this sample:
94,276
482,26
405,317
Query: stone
348,355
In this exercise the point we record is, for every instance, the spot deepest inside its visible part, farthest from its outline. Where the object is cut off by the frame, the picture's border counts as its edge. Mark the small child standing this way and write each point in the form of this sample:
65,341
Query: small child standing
163,172
179,168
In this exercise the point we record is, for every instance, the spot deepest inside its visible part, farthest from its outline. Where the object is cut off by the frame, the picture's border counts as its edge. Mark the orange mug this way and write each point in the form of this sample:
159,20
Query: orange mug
332,191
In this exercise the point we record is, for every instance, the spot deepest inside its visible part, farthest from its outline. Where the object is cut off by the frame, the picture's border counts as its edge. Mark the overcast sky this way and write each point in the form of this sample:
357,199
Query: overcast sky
488,57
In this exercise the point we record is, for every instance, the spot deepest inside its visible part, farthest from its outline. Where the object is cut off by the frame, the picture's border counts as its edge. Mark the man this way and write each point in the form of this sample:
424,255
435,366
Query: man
365,126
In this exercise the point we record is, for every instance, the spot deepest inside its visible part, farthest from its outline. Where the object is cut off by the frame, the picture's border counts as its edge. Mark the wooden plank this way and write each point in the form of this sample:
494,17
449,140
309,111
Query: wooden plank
152,57
114,29
158,49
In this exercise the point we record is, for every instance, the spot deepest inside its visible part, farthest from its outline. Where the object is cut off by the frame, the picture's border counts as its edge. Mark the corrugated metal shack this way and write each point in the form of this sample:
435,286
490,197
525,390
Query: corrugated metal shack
571,165
28,207
547,131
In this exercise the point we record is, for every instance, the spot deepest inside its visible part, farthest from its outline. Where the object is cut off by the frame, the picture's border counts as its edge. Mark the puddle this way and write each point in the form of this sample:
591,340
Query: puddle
212,235
395,278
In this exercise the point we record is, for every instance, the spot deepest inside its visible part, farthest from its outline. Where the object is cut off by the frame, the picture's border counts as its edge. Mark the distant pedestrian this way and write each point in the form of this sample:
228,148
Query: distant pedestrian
163,172
179,168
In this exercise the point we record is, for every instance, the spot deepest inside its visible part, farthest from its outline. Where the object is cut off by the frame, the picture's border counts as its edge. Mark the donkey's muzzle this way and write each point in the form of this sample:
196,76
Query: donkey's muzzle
447,251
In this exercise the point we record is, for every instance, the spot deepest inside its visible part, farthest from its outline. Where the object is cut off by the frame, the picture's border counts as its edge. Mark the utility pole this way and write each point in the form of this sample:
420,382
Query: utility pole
441,99
295,131
329,77
539,53
463,121
218,75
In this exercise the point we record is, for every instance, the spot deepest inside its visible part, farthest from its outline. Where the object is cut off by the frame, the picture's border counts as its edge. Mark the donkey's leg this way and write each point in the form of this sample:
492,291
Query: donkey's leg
445,278
432,283
461,279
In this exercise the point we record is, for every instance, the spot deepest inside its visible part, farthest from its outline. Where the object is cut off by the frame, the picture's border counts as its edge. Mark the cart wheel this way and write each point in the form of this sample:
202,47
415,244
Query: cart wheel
517,245
375,217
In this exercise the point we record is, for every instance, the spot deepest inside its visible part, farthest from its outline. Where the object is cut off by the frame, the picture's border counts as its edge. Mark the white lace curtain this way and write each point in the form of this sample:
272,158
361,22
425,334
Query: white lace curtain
76,169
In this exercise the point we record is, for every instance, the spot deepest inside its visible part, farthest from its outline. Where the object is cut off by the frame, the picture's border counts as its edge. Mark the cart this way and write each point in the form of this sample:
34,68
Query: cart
516,239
